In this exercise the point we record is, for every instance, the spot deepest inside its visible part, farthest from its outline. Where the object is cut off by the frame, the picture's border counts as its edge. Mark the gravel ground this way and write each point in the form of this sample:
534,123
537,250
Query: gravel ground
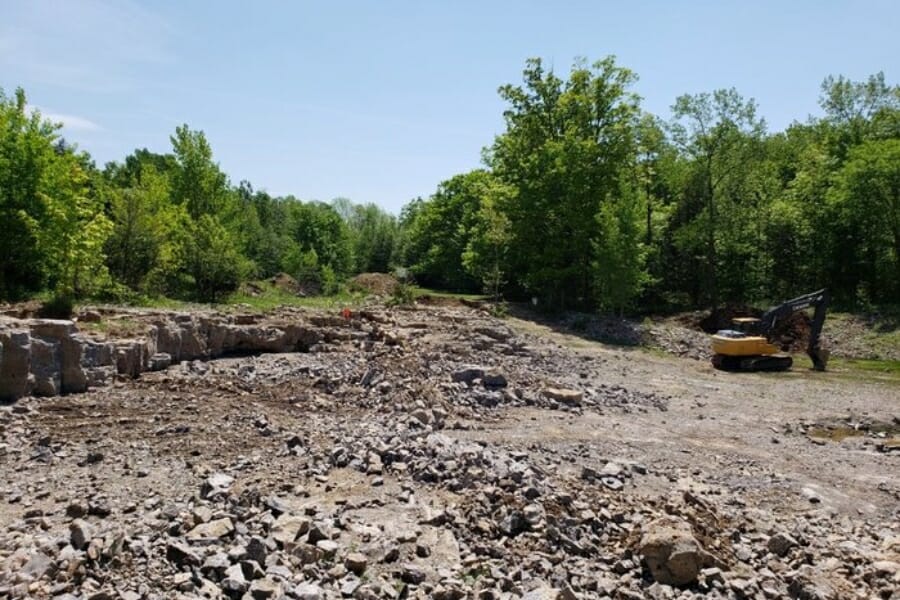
440,453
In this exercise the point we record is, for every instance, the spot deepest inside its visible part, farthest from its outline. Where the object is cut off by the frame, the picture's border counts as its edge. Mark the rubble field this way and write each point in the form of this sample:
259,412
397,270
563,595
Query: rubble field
428,452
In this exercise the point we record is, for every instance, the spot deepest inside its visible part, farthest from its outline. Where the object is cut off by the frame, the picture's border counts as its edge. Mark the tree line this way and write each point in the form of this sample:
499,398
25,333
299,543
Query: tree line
588,201
585,200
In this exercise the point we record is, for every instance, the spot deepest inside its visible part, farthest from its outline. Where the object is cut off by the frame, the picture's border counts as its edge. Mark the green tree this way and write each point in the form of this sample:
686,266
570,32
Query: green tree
142,221
619,254
486,254
26,151
373,234
209,257
866,199
439,230
74,231
566,147
54,226
720,134
197,182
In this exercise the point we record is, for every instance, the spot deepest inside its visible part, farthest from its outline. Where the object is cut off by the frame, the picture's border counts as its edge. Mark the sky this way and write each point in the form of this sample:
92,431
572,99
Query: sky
380,100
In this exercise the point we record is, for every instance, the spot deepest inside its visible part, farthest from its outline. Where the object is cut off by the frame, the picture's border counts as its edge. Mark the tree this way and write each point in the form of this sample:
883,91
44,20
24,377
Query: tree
209,256
74,231
439,230
53,224
141,216
566,147
26,149
373,234
197,182
619,263
486,254
866,199
317,226
719,133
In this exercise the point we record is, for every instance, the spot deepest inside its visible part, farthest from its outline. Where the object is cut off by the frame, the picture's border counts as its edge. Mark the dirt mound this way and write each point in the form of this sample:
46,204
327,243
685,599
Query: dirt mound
721,318
286,283
380,284
793,333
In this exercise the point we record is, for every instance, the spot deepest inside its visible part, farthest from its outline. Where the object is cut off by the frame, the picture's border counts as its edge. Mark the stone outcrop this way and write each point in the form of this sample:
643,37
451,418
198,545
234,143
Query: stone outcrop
48,357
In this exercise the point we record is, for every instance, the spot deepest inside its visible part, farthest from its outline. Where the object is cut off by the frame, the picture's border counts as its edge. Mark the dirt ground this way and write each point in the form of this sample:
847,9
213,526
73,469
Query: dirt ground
465,457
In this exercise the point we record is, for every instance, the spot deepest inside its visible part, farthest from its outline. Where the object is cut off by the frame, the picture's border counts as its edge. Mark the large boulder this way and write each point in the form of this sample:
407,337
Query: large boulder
71,347
46,367
15,363
672,553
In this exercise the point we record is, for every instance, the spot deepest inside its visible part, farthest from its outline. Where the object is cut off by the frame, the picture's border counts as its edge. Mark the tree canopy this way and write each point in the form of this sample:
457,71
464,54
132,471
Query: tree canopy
583,200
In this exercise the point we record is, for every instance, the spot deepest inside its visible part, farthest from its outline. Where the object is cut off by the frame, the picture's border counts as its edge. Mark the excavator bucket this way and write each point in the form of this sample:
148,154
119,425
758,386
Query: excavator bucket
819,358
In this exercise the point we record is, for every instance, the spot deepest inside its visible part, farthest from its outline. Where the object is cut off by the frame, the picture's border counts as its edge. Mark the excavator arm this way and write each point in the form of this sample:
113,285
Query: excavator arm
818,300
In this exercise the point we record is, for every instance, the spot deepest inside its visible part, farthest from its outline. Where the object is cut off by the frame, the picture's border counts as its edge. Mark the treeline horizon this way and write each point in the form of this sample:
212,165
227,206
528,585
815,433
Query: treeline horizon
584,201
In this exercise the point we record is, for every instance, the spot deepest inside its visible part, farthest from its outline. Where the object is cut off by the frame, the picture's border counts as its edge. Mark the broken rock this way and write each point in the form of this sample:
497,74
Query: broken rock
672,553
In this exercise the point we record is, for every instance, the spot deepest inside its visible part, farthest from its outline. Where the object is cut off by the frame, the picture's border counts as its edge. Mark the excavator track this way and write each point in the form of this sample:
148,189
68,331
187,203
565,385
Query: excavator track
774,362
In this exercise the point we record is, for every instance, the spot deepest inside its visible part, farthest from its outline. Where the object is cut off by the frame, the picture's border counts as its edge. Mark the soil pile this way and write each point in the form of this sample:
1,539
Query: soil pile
378,284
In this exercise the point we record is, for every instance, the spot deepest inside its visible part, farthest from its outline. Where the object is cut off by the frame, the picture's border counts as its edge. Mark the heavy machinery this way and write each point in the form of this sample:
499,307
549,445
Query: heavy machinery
749,346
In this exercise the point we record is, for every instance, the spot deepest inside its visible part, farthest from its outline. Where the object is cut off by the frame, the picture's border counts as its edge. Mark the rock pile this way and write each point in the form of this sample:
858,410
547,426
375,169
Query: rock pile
370,467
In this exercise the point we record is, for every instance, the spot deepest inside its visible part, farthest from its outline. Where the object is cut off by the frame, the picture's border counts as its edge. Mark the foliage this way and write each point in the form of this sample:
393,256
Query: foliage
584,201
439,230
564,152
404,292
210,259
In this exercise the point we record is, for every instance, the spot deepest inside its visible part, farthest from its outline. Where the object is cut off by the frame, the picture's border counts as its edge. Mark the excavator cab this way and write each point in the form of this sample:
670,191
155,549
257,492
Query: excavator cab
748,345
747,325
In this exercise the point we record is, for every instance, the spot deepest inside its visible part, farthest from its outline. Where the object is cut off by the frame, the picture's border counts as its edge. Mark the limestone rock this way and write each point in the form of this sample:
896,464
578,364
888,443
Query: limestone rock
564,396
672,553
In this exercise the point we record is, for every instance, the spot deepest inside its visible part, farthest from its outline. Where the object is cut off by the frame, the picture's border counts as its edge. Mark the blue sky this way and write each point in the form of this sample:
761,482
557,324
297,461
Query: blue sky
379,101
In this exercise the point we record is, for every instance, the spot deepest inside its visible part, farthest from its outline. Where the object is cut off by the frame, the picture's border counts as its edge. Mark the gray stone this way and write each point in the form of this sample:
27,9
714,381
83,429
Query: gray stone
328,547
159,361
413,574
256,550
80,534
780,544
308,591
181,554
234,584
216,484
15,363
262,589
38,565
212,530
288,528
467,374
494,380
356,562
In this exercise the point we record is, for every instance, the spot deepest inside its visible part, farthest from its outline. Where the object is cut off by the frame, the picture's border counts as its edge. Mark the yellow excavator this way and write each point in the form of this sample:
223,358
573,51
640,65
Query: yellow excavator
749,346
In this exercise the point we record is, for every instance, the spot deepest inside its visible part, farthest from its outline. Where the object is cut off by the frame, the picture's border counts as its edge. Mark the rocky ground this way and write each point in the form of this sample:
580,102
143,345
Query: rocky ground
436,452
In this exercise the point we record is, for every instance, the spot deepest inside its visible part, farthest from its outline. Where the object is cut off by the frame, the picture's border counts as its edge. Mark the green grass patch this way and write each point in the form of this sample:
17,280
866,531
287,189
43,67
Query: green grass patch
269,297
272,297
864,370
422,291
115,327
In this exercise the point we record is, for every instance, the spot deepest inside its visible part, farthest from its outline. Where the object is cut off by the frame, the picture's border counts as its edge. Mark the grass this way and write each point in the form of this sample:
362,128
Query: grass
272,297
269,298
118,327
864,370
422,291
